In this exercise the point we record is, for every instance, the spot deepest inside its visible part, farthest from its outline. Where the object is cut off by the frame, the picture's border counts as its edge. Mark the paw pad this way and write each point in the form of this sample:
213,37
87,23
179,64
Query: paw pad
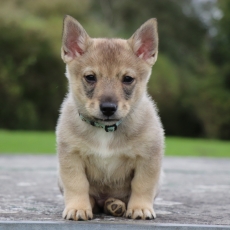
114,207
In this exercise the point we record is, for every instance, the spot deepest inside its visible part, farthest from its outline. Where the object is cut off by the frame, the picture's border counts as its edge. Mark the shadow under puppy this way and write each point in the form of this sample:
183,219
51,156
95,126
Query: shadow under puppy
110,140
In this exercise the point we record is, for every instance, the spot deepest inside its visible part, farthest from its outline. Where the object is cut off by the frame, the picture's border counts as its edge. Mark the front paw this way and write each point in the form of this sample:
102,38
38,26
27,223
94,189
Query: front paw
77,214
144,213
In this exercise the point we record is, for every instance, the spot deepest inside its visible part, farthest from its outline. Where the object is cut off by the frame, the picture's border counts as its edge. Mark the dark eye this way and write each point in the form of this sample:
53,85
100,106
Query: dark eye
90,78
127,80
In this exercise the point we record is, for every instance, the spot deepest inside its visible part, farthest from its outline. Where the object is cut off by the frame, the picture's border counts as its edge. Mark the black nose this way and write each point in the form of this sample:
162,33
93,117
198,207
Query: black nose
108,108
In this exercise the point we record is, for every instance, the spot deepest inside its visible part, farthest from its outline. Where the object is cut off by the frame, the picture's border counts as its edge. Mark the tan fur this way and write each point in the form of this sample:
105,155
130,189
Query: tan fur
95,165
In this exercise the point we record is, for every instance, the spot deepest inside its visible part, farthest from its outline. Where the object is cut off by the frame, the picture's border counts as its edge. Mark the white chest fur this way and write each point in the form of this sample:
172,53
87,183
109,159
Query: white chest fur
104,140
108,158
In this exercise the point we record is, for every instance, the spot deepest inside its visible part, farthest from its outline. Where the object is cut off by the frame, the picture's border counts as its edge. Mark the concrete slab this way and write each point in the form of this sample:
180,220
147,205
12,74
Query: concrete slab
37,225
195,195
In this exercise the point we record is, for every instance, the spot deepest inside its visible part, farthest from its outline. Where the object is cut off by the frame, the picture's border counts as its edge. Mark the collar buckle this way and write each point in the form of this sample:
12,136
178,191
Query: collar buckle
110,128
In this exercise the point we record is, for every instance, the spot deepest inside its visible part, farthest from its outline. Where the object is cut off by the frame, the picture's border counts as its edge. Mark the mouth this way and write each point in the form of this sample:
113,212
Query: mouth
106,119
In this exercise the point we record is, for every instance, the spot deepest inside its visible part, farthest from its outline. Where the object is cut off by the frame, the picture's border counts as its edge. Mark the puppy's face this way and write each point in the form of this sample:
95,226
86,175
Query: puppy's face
107,77
107,80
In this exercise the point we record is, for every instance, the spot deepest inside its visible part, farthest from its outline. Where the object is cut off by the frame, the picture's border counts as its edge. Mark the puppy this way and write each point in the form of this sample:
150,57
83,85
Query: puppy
110,140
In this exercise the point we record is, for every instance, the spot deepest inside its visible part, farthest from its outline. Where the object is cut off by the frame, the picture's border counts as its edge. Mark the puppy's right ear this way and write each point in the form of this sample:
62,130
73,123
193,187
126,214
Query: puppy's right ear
74,39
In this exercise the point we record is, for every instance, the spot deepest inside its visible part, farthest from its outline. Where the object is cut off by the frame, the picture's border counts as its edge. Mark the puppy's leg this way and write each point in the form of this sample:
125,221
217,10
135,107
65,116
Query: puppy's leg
114,207
75,186
96,209
143,189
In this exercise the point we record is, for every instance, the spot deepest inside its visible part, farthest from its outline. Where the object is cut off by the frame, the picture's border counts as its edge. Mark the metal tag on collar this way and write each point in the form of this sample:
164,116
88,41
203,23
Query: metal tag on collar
107,128
110,128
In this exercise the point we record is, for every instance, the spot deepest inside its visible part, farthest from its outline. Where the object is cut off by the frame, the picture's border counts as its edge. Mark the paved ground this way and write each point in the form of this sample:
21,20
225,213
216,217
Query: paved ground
196,191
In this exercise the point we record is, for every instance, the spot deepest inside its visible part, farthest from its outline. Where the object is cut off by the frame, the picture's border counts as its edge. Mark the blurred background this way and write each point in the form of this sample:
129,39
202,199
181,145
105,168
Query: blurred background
190,81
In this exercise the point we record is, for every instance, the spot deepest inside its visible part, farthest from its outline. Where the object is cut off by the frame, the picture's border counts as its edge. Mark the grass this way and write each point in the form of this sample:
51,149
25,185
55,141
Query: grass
16,142
176,146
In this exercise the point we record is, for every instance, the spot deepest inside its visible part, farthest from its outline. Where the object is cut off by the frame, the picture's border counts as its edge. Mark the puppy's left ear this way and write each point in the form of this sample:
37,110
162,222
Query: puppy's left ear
144,41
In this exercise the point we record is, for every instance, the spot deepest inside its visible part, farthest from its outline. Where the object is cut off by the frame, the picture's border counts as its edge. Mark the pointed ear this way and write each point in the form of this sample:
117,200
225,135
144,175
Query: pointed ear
74,39
144,41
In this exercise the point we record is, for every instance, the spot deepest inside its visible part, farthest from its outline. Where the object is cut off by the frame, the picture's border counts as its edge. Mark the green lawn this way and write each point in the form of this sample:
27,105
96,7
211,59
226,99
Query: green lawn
176,146
27,142
14,142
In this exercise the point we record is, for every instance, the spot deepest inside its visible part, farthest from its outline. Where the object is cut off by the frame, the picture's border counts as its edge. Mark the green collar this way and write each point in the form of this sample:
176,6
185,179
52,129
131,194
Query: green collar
107,128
